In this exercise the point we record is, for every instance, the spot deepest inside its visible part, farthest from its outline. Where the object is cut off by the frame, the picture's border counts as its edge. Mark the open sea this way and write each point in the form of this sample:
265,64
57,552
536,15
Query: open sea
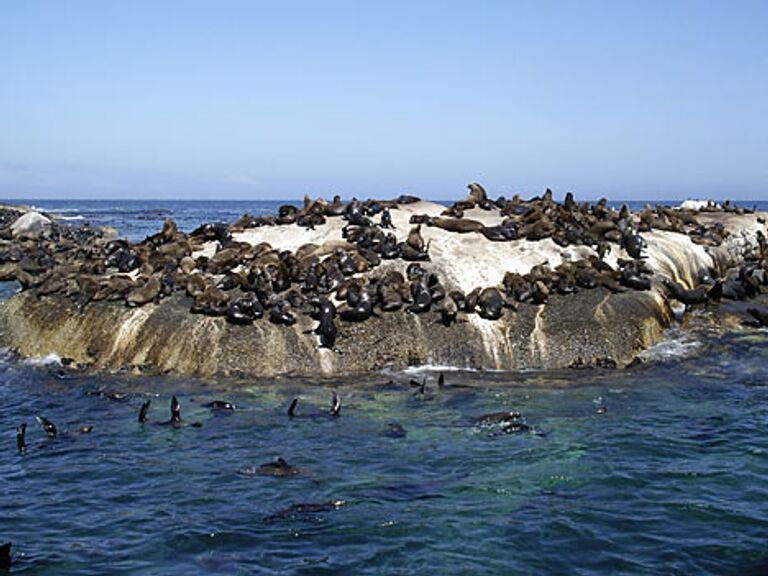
658,469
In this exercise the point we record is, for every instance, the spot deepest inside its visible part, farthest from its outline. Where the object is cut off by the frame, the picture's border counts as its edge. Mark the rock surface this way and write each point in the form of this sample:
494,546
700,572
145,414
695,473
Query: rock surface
597,327
31,225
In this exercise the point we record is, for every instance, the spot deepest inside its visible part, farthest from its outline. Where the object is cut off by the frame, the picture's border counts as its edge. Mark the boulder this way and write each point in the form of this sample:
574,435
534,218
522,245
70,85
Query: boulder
31,225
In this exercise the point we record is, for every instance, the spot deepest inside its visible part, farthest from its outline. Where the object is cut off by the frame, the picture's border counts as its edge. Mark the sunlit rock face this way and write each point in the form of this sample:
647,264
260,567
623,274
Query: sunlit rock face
594,327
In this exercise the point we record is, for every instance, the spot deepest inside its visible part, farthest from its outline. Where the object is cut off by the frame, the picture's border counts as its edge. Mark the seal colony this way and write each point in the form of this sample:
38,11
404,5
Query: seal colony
332,287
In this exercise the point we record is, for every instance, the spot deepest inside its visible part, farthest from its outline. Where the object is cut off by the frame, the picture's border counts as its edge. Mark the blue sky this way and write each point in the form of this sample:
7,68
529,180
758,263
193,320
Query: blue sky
245,99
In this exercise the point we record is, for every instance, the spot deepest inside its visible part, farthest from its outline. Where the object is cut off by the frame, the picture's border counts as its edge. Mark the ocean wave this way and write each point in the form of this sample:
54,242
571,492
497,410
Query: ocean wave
436,368
676,345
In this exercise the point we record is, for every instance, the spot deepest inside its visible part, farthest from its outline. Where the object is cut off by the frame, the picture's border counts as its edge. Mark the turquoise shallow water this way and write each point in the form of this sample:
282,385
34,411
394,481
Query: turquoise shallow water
672,479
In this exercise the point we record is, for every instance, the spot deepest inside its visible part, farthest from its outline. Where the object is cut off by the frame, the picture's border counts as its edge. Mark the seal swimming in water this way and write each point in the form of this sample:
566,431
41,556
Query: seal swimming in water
48,426
176,421
5,556
143,411
118,396
497,418
295,510
334,410
21,431
395,430
51,430
175,413
278,469
507,422
220,406
423,393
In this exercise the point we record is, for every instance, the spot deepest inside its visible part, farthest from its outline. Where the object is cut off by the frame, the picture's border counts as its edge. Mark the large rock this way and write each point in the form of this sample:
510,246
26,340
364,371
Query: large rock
593,327
31,226
596,327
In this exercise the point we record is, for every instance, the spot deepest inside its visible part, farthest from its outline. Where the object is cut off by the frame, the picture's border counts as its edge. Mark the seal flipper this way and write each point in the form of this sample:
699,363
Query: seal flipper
335,405
47,425
423,387
292,407
175,412
21,430
5,556
143,411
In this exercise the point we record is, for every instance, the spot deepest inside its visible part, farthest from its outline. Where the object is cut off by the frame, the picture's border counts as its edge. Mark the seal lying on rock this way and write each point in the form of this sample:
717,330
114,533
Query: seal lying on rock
685,295
324,313
759,314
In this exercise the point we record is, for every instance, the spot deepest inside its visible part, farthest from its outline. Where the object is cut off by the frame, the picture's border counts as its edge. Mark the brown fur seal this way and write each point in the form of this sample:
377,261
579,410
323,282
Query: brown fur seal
461,226
147,293
415,239
476,194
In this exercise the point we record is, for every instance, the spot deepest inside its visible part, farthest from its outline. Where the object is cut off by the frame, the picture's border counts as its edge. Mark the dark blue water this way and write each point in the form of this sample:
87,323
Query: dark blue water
671,479
136,219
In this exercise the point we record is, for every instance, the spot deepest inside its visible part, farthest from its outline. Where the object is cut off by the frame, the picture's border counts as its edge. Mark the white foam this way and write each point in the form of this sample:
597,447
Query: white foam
676,346
435,368
47,360
60,217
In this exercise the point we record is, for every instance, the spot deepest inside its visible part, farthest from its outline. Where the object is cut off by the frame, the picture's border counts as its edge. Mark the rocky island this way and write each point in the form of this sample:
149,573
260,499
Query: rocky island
331,288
